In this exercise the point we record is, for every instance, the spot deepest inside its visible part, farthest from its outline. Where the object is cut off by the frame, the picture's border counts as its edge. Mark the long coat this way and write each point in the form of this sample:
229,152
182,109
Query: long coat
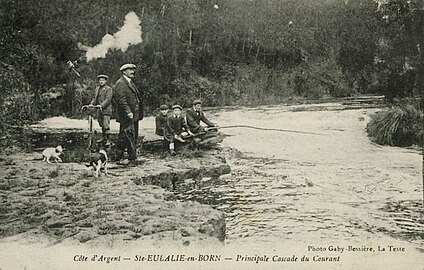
128,100
194,118
103,97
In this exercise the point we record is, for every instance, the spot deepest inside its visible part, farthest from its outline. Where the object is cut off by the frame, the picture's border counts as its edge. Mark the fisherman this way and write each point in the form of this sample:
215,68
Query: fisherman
129,101
103,97
194,115
161,119
176,128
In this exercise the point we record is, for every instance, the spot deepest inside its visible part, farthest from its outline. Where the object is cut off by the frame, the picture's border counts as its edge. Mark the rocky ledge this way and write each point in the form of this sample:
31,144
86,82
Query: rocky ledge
64,201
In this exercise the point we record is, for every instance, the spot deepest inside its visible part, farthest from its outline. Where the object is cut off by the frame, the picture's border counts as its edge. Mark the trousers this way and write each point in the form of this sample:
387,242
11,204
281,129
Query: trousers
127,139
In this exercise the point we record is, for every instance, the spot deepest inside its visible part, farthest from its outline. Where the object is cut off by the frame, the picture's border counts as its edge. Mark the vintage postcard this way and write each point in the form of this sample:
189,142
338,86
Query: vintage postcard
200,134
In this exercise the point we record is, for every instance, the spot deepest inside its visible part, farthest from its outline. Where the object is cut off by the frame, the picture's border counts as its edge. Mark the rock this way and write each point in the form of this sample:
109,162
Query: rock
186,243
58,222
84,236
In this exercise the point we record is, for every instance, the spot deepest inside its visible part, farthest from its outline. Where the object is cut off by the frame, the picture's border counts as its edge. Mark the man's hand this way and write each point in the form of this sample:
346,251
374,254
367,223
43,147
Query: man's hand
130,115
190,133
179,138
211,128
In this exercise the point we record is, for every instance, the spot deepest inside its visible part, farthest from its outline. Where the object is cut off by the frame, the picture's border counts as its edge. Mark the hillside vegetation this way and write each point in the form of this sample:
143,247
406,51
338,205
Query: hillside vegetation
225,52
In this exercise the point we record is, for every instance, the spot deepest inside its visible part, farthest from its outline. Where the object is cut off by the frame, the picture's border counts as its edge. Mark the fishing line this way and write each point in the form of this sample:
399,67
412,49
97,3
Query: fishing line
273,129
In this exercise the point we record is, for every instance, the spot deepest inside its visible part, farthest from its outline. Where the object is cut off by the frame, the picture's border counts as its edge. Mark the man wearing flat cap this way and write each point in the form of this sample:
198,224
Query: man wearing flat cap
129,101
194,115
103,98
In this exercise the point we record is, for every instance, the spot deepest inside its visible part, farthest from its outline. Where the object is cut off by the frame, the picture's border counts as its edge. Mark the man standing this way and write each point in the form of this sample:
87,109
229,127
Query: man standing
194,115
129,103
103,98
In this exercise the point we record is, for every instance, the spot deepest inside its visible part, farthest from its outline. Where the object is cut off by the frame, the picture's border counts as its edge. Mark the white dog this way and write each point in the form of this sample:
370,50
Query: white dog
98,161
52,153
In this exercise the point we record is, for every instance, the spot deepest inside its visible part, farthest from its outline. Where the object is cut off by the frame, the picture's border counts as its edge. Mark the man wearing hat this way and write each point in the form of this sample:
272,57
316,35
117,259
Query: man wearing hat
194,115
103,97
176,128
129,103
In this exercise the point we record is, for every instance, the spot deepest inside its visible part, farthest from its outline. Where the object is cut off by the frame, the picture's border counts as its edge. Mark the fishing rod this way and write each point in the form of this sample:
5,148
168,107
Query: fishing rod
268,129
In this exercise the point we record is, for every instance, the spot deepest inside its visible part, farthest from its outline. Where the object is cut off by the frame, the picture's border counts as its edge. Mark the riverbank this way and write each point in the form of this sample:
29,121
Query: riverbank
63,201
330,186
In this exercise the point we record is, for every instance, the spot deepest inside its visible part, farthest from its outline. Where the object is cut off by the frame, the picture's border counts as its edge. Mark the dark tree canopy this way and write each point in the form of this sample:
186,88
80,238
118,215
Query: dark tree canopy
225,52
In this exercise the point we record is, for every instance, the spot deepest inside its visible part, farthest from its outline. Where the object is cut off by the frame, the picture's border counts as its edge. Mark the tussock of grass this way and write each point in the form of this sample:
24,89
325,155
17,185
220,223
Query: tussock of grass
54,172
400,126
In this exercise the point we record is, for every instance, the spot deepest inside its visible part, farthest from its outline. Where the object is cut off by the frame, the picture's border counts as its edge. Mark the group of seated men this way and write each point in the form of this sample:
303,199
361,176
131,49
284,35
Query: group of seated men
175,127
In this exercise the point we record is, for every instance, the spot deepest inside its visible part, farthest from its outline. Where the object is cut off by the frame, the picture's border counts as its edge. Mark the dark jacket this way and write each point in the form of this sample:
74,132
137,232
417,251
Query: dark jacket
161,121
103,97
175,126
194,118
128,99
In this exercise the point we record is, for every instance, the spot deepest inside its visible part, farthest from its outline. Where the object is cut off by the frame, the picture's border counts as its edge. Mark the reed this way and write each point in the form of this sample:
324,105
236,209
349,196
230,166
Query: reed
400,126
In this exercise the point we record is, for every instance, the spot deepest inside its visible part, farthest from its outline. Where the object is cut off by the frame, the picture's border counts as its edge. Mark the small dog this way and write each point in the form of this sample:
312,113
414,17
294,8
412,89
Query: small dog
99,160
52,153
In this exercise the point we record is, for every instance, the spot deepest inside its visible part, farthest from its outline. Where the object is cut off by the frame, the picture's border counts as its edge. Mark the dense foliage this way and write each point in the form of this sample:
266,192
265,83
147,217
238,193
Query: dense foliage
225,52
401,70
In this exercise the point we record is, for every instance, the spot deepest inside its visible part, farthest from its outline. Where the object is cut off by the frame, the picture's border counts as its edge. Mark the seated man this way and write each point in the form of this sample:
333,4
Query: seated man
176,128
194,115
161,120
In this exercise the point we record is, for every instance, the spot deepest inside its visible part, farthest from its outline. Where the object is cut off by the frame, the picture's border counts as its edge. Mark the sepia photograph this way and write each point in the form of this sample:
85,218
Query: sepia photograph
212,134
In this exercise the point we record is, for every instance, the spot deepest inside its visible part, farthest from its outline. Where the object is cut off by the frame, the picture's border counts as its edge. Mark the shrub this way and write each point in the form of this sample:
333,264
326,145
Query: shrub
400,126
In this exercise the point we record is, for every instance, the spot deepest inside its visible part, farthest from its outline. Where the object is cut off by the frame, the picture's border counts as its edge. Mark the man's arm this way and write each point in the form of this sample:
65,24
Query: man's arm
205,120
120,94
108,99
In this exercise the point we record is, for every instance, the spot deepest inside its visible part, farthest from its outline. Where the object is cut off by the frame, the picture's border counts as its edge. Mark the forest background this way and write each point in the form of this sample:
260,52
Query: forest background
238,52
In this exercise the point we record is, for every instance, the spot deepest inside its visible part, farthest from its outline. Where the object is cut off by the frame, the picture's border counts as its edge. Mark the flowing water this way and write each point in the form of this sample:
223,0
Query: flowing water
332,185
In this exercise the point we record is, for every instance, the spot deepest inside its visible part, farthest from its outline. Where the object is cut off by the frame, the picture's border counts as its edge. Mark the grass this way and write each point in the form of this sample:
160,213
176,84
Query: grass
54,173
400,126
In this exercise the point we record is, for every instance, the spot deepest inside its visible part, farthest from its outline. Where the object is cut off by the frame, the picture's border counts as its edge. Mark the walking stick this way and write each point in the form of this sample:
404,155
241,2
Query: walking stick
129,133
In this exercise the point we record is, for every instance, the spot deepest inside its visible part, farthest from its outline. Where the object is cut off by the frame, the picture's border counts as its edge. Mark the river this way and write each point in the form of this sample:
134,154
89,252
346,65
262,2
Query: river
334,185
